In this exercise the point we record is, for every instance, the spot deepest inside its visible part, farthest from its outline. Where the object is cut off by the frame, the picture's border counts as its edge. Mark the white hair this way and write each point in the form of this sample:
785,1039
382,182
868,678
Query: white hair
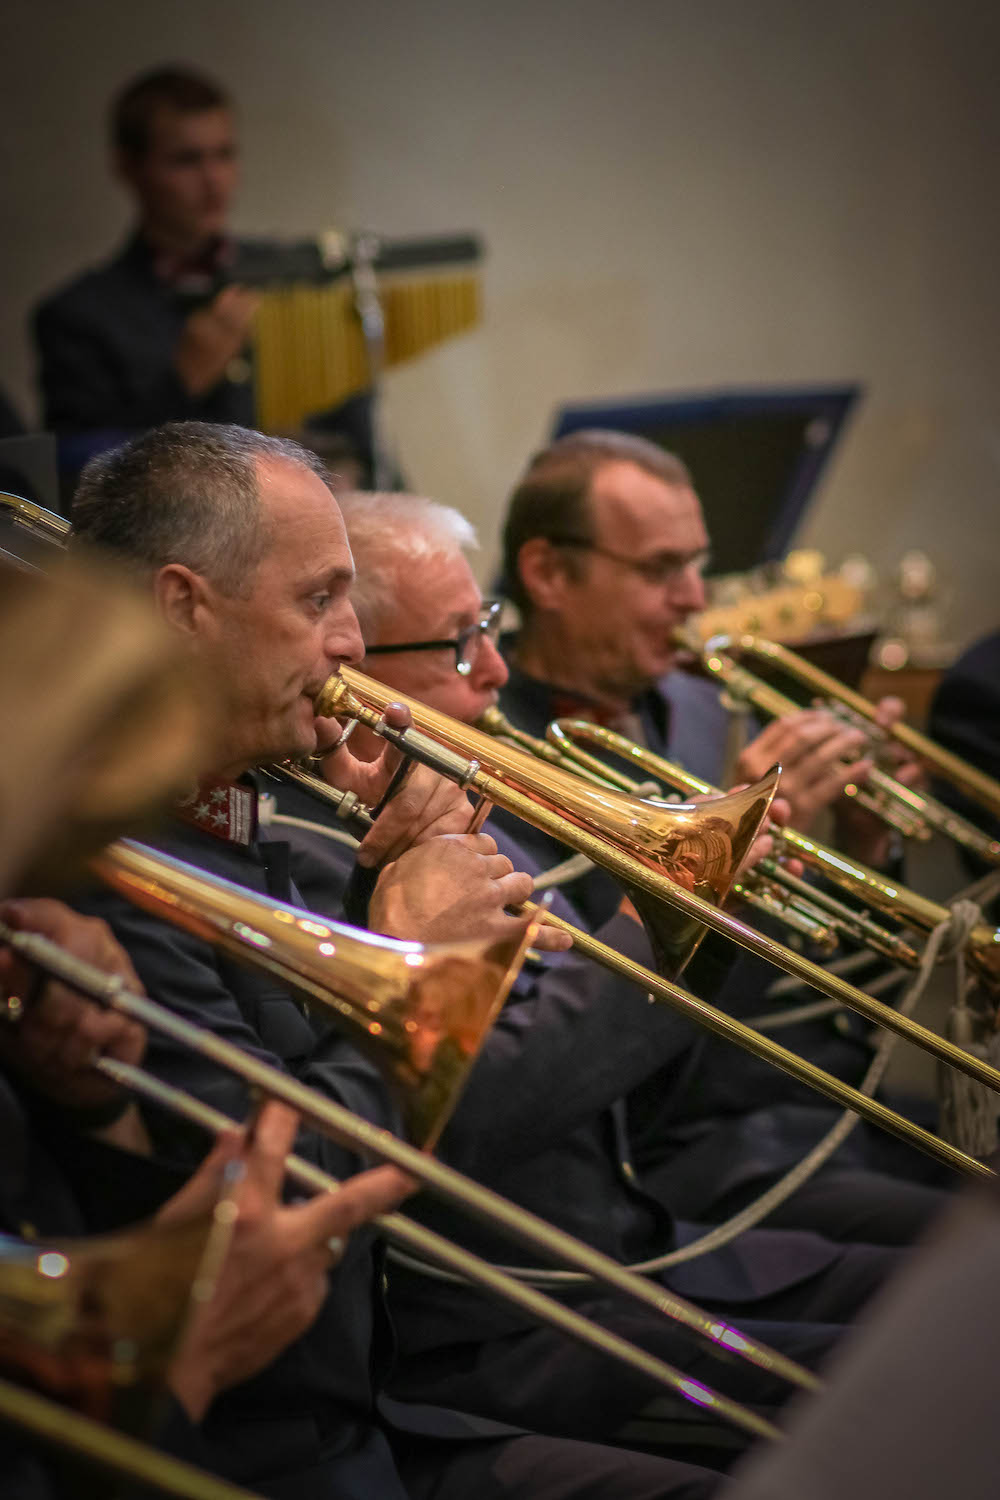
389,531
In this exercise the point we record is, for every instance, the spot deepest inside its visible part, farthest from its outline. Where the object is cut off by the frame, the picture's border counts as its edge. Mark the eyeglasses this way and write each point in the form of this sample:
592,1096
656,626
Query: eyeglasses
662,569
466,644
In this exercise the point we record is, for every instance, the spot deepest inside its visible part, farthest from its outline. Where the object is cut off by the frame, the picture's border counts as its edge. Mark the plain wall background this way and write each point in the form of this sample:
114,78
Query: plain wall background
675,196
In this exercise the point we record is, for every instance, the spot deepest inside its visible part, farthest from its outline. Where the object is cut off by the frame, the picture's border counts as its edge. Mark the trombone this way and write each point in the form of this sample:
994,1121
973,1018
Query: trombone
77,1322
345,806
913,814
623,834
369,1140
563,747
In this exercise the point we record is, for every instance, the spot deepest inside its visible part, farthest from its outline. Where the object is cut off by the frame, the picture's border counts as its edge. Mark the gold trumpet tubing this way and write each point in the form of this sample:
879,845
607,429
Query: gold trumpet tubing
369,1140
84,1438
767,1049
425,1243
913,814
549,799
421,1011
979,786
866,885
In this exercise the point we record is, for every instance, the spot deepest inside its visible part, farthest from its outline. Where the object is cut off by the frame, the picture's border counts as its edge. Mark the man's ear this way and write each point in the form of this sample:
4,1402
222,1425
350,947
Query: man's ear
542,571
183,598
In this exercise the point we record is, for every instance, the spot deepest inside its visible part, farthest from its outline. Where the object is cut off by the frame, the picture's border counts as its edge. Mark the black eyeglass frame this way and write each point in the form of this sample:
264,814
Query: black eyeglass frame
487,626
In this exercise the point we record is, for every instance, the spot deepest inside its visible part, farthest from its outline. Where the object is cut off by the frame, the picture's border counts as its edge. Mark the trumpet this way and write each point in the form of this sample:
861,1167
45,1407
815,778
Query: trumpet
371,1141
613,830
563,745
913,814
345,808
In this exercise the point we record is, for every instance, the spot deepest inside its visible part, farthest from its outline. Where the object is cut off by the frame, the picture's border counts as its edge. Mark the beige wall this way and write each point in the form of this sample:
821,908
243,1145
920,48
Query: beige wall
675,195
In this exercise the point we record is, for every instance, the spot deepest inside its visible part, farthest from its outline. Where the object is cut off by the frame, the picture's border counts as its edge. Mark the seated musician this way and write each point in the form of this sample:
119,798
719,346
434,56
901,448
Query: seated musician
604,546
242,544
542,1118
159,332
76,1160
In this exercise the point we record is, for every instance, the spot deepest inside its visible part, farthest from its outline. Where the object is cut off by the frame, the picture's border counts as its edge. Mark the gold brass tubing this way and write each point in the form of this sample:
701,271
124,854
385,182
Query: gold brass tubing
372,1140
455,750
865,884
763,1047
90,1440
718,1021
472,1268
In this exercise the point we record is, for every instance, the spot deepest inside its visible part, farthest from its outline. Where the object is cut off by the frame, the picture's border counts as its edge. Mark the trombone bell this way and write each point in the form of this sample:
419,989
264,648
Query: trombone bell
94,1323
420,1011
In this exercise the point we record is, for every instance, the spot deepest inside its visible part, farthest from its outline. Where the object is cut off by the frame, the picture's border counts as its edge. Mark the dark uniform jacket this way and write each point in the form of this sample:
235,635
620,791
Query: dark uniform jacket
106,343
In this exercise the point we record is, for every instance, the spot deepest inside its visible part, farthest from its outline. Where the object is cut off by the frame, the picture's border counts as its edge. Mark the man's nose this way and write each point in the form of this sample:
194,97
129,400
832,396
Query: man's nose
689,590
490,670
343,642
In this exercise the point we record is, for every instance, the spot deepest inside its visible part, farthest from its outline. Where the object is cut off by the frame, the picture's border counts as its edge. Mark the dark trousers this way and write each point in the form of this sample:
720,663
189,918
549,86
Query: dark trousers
540,1380
543,1468
849,1205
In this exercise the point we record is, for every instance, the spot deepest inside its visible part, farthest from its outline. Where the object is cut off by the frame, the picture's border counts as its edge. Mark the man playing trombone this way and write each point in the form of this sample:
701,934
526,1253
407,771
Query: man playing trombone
604,548
543,1115
241,543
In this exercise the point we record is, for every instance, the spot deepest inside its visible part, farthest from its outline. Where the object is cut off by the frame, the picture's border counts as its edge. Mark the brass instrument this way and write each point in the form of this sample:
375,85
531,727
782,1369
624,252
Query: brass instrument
78,1326
77,1320
109,668
914,814
422,1012
344,806
764,888
610,828
372,1141
909,907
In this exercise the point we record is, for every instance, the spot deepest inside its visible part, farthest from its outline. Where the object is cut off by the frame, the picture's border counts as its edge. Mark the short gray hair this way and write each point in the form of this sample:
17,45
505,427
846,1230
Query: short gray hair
387,531
187,493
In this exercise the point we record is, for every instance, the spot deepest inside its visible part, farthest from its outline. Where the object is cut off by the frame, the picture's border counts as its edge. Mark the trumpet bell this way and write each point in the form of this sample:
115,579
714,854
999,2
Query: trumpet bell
420,1011
699,847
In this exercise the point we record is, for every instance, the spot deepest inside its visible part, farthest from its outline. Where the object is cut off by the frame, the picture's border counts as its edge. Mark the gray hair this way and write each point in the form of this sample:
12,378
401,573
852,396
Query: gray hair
388,531
187,493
